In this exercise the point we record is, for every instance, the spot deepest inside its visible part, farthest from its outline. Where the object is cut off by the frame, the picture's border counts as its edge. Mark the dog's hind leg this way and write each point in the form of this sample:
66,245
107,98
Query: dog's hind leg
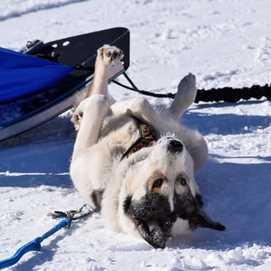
108,63
185,96
194,141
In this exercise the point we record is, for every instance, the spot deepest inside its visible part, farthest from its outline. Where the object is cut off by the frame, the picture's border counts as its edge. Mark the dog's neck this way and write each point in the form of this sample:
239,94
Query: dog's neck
148,135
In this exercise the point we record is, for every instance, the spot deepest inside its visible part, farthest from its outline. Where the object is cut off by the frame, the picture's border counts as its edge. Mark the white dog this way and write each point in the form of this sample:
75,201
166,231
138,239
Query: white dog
137,165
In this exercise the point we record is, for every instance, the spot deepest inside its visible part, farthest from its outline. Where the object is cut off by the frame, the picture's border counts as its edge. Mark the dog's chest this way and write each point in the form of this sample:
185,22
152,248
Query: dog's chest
120,131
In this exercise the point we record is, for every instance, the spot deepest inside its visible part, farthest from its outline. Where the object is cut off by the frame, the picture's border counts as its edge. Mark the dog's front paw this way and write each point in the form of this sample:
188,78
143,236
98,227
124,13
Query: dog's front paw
109,58
109,55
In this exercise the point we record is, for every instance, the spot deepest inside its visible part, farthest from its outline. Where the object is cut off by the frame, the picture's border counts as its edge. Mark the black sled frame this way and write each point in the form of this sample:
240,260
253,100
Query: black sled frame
78,52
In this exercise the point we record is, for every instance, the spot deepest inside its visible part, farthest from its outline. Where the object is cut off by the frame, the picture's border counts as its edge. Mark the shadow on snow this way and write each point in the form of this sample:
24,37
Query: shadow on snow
236,194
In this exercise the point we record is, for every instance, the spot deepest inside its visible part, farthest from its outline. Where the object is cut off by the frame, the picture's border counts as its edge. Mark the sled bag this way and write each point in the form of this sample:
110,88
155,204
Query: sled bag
22,75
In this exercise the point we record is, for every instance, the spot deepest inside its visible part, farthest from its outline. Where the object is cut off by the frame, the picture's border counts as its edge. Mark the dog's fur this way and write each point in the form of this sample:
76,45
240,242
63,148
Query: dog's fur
152,192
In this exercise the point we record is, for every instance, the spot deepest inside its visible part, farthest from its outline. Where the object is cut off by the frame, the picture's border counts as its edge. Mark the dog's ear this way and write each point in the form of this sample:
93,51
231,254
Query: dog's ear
189,208
199,200
202,220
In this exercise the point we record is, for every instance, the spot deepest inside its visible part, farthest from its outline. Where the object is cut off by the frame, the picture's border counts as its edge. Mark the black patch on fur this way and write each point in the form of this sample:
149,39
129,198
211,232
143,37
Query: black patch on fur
127,204
185,205
153,206
96,197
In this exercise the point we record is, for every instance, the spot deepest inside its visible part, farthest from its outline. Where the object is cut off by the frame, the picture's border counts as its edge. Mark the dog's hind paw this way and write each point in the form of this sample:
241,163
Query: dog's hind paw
188,83
96,100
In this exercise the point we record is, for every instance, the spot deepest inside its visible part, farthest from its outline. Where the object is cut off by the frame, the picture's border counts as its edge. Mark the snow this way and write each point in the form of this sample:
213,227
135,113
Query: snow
14,8
225,43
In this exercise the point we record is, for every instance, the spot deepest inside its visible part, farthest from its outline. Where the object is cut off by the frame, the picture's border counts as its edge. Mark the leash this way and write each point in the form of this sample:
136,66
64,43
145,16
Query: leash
35,245
226,94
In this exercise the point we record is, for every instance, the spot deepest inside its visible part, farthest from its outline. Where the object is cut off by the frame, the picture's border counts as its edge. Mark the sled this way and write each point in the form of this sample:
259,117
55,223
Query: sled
42,80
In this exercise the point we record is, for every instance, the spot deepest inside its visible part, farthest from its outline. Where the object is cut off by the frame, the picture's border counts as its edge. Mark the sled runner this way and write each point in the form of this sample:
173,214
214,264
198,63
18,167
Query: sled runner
41,81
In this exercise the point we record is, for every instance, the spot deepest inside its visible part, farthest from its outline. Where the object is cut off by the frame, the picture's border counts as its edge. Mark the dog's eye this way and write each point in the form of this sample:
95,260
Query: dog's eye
182,180
157,183
80,114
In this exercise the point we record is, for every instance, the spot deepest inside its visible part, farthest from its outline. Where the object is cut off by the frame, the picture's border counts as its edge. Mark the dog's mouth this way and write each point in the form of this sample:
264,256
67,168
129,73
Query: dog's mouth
152,217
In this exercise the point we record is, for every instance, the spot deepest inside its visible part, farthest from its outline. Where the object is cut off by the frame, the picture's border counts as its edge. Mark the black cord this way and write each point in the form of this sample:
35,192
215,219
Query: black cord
144,92
226,94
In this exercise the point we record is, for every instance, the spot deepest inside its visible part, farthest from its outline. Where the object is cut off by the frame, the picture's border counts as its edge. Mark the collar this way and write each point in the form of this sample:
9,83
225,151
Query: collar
148,136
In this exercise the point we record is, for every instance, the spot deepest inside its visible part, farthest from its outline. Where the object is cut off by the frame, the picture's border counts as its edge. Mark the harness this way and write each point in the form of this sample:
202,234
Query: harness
148,135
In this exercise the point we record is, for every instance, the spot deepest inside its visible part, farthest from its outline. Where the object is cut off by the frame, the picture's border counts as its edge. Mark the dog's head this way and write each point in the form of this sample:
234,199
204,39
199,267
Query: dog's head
159,188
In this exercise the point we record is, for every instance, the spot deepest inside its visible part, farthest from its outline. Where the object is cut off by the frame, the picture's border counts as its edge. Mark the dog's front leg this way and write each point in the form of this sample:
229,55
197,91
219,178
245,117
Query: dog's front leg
89,115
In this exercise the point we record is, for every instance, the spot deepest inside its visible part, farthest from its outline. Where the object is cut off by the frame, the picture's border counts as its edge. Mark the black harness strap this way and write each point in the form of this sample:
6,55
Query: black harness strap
148,136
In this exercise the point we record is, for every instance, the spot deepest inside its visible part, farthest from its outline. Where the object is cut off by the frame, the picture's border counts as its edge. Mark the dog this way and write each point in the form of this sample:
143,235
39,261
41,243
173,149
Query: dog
136,165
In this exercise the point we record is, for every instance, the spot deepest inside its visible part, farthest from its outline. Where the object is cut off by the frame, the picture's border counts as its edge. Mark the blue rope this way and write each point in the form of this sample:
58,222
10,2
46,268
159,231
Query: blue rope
34,245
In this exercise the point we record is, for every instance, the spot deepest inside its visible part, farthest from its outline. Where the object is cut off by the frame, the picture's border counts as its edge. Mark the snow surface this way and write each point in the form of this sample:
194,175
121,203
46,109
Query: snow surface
225,43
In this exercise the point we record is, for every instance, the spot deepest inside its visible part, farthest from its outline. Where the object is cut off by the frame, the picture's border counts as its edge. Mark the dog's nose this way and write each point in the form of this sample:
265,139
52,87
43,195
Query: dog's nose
175,146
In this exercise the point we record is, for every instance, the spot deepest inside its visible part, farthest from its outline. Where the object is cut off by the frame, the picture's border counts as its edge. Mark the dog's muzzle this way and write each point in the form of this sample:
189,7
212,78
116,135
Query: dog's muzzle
152,217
